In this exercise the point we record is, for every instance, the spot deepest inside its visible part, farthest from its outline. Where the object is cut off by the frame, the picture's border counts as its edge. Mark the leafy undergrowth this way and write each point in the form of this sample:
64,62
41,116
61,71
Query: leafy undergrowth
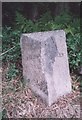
65,21
20,102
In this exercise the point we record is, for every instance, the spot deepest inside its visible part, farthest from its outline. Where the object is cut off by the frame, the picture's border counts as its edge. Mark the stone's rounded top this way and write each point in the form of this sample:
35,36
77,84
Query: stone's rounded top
42,36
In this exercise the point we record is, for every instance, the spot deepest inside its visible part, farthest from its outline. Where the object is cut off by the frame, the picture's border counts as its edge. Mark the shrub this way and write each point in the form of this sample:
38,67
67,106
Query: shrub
10,43
12,71
65,21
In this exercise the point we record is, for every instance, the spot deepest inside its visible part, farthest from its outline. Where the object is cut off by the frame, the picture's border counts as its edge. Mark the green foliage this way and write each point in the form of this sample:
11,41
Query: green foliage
4,113
74,50
63,18
24,25
12,72
65,21
10,39
0,115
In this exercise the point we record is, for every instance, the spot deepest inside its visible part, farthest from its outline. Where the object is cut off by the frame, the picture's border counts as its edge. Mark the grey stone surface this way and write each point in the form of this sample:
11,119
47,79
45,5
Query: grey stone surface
45,64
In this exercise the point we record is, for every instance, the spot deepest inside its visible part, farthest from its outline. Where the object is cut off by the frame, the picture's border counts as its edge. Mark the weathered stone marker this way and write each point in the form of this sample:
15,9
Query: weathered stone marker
45,64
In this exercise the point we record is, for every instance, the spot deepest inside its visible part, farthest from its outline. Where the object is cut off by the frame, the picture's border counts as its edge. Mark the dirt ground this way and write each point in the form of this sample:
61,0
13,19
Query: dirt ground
20,102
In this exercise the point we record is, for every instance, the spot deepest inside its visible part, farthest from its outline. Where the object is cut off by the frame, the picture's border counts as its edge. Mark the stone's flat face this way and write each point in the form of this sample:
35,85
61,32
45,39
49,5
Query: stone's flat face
45,64
31,50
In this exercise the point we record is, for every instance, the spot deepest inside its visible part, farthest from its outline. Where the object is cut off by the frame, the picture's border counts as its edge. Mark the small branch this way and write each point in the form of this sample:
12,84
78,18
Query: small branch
7,51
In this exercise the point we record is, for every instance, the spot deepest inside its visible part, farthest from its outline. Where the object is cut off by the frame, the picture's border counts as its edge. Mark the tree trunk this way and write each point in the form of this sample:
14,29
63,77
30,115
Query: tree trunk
61,7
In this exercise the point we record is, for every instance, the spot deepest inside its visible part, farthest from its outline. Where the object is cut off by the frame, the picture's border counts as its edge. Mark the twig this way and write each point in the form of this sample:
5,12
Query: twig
7,51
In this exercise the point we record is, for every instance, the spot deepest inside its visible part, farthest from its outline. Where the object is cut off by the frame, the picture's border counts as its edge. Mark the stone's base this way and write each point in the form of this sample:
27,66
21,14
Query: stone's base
45,64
